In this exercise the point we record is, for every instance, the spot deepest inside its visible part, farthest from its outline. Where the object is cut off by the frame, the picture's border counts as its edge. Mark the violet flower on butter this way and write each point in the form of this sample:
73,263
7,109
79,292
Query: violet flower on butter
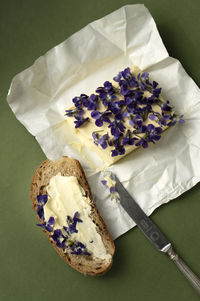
106,93
100,140
128,139
119,148
129,101
101,117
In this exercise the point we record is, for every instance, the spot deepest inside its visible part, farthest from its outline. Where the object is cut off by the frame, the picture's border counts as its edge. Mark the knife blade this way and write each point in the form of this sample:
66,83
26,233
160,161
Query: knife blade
153,233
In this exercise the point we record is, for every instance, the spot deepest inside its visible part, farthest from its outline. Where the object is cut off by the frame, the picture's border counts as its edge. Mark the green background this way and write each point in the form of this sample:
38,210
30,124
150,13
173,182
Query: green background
29,267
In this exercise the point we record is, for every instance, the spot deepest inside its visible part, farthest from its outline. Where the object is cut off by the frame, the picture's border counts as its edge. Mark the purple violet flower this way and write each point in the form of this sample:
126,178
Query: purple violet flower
142,142
128,139
116,106
101,117
144,75
112,189
133,119
80,101
72,222
117,77
152,99
80,120
172,120
160,119
117,127
140,128
71,113
74,112
145,84
78,248
119,149
153,117
48,225
166,107
59,238
133,98
77,113
84,99
156,92
109,88
40,211
95,138
92,102
123,87
181,120
42,199
106,93
111,186
96,114
100,140
129,78
154,133
103,141
104,182
77,102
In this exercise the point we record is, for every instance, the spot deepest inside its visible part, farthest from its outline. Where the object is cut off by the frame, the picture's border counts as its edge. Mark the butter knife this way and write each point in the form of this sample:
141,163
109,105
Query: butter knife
153,233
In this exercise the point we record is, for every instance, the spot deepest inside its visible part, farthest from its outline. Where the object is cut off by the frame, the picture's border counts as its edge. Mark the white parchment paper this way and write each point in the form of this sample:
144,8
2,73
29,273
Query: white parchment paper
40,94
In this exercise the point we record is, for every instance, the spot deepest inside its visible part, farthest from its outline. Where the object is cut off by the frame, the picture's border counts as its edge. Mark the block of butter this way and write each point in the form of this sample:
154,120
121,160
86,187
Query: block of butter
123,114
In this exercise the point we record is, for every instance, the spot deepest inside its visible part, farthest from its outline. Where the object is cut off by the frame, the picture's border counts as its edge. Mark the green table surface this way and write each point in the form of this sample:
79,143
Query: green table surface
29,267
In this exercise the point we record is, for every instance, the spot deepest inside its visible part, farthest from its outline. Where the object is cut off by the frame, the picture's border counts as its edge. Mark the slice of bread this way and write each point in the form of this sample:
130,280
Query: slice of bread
66,166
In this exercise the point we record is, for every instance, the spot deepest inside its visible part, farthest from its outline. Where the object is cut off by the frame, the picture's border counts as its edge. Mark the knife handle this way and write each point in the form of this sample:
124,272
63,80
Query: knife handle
187,272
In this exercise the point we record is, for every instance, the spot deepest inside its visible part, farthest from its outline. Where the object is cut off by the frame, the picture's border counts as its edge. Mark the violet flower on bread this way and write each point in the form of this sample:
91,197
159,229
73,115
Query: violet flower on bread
48,225
62,237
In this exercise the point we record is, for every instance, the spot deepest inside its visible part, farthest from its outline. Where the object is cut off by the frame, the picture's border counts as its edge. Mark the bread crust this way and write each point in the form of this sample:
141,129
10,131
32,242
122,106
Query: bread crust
71,167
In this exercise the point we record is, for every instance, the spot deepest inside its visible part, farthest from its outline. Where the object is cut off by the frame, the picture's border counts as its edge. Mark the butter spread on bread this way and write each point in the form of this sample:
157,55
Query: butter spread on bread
65,209
122,115
62,205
